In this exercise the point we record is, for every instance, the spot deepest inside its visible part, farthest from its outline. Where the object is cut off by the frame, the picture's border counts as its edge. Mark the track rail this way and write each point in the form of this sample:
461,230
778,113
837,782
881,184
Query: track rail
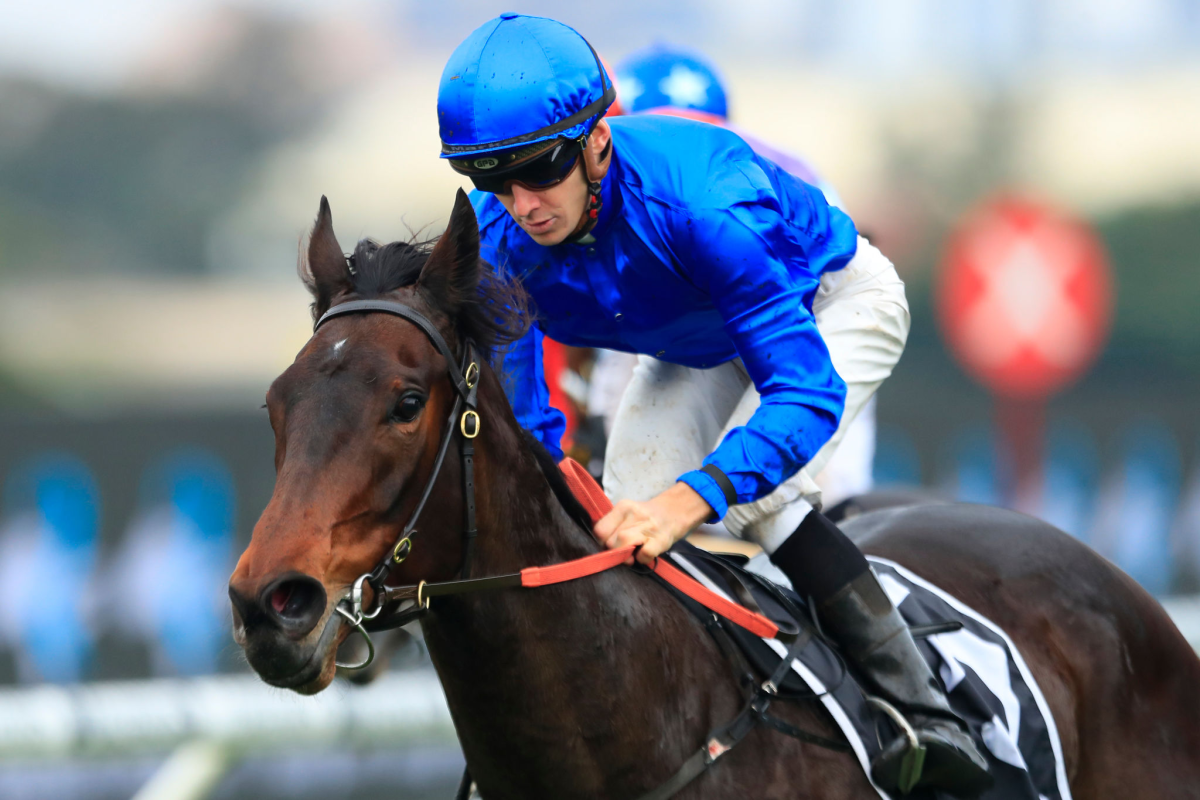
240,712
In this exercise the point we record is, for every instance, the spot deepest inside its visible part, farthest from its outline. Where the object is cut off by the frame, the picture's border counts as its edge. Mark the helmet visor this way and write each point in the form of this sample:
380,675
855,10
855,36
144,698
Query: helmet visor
540,169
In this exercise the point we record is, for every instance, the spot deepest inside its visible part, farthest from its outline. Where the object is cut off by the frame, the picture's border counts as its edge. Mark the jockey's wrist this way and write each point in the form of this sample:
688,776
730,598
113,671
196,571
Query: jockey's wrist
707,487
691,508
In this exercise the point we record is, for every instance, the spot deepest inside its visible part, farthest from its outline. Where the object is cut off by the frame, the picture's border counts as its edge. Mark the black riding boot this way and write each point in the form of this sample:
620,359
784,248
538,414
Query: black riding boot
856,612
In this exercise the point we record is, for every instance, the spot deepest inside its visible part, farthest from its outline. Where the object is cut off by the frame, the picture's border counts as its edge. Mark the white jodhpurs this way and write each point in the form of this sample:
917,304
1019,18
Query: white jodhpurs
671,417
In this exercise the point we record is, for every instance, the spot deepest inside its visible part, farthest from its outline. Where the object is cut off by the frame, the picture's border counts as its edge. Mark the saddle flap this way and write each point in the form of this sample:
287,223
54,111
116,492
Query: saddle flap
782,606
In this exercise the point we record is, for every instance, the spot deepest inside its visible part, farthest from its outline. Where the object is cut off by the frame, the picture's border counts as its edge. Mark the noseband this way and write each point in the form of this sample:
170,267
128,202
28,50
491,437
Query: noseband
464,377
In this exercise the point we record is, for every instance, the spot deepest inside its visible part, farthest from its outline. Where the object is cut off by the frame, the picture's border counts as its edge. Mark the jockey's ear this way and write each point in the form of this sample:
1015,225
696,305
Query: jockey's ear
324,268
599,151
451,275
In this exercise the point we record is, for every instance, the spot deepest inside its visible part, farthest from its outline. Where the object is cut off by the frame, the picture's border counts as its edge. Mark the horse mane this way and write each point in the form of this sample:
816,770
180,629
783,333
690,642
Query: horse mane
496,316
558,484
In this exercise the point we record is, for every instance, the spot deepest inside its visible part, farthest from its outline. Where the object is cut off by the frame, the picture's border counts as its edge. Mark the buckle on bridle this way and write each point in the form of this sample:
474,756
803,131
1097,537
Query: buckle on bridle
401,551
462,424
472,375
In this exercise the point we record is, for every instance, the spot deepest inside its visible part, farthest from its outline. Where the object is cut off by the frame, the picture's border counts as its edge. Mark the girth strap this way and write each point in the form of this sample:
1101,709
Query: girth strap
723,739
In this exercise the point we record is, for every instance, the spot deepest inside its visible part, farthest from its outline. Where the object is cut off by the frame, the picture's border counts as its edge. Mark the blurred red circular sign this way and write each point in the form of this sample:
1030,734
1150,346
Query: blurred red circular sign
1024,297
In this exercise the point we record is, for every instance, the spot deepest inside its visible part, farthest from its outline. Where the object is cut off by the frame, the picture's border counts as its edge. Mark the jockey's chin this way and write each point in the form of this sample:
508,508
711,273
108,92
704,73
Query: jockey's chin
550,215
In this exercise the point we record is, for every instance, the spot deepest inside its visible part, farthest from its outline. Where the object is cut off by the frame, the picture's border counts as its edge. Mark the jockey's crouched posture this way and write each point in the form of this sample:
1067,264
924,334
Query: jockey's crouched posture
766,323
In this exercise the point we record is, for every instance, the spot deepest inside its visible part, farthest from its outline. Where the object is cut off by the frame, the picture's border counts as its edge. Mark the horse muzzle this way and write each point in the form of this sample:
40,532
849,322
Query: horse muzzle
288,632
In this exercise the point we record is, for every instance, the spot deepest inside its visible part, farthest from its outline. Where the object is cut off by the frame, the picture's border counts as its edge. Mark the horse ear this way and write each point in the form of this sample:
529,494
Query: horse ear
450,277
324,269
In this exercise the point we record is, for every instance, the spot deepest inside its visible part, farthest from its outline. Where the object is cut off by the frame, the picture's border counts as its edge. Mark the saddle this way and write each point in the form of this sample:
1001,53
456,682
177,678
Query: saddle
727,572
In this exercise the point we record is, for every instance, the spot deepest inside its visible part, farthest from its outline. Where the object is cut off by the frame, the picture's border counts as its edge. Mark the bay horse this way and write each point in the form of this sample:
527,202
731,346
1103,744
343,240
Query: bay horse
602,687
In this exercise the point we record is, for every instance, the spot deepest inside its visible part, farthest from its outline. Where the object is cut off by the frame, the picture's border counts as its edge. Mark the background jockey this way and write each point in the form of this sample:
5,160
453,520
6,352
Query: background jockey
770,320
662,79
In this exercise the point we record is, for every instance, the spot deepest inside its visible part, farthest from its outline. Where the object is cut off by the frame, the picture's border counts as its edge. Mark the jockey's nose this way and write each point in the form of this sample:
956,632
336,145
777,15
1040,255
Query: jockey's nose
293,603
525,201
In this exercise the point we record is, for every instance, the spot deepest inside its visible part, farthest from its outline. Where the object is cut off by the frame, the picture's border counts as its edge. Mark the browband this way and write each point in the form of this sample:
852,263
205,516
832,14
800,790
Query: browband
416,318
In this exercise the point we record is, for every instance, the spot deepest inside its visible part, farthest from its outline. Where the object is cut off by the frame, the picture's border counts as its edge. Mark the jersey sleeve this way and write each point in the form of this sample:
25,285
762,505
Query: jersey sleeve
525,385
760,277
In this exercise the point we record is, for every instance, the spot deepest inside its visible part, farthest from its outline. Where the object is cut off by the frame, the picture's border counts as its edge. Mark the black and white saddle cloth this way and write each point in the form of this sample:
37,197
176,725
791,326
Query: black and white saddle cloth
986,680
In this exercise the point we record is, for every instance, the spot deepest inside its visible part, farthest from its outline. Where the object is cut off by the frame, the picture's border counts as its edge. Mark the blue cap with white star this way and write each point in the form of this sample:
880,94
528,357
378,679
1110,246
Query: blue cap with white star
663,75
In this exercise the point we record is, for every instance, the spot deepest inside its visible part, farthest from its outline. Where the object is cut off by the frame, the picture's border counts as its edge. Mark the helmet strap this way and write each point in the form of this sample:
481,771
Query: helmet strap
591,212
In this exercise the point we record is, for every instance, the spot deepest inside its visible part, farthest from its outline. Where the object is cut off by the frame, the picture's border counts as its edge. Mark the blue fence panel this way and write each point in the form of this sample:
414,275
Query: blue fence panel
52,512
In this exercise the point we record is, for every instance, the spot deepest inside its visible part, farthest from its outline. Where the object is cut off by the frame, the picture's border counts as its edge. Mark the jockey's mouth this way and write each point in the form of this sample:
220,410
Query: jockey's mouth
538,226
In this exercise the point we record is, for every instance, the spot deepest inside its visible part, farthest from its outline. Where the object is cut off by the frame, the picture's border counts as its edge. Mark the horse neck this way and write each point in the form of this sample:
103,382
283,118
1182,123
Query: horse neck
521,521
496,651
562,691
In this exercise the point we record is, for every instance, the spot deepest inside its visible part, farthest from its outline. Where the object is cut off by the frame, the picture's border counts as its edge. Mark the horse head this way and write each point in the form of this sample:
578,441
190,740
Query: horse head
358,419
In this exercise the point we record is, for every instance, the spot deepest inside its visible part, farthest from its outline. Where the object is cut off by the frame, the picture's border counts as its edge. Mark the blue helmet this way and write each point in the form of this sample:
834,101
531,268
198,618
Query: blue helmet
516,81
661,75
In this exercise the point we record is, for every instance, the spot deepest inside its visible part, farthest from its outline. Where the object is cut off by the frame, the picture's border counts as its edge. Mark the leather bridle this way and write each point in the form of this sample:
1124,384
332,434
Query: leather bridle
464,377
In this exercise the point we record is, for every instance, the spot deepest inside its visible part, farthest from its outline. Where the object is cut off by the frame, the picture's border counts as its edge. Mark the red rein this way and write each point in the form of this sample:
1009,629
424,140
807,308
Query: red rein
597,504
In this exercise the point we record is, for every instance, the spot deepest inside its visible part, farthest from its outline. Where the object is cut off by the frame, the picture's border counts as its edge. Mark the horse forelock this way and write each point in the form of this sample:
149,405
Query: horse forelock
496,315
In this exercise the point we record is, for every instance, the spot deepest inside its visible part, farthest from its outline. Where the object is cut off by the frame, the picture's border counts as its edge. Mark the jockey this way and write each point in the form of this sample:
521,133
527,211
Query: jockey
770,320
662,79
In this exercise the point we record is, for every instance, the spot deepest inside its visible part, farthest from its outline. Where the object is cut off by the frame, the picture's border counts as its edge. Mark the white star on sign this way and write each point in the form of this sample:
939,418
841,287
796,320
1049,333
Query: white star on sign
1026,274
685,87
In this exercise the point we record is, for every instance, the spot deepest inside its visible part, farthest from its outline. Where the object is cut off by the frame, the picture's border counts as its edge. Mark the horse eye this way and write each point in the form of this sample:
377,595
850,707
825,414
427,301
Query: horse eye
407,408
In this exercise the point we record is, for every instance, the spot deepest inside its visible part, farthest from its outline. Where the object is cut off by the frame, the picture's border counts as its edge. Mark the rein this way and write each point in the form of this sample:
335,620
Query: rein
464,377
533,577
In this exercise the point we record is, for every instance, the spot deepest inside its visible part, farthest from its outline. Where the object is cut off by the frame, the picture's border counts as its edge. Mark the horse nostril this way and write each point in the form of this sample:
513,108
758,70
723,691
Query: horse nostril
286,600
296,602
243,608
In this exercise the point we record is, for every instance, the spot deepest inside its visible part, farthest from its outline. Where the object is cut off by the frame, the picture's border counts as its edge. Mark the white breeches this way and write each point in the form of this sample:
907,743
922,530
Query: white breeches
671,417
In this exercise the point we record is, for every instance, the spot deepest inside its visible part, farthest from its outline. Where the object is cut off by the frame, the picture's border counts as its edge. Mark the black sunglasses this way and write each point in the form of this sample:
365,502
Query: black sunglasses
540,169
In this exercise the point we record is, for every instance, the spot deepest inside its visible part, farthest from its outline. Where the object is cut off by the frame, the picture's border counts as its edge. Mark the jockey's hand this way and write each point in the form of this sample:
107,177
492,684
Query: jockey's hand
655,524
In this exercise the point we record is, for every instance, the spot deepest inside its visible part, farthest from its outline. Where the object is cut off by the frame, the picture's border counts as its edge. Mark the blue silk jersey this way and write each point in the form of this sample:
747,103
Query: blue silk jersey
703,252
